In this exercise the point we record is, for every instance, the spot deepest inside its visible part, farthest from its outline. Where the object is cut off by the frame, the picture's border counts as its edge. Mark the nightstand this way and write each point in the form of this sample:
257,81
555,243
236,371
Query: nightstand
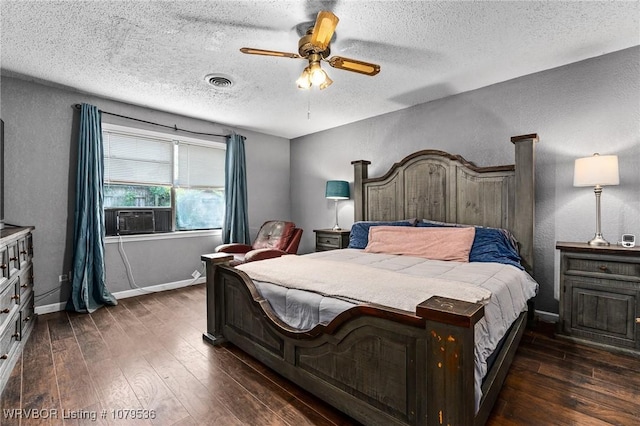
600,295
329,239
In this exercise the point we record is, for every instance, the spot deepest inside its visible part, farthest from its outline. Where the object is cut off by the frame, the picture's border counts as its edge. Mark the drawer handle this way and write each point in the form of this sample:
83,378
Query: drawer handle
603,268
23,252
5,356
17,335
27,318
5,311
16,296
11,259
637,320
24,285
3,266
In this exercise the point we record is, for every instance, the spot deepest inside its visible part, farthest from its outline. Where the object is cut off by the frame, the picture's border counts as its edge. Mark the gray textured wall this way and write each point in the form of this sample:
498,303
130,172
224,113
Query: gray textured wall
40,158
578,109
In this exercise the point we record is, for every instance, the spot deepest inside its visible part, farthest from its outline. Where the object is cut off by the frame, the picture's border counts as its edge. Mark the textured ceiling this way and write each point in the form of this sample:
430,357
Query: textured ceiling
157,53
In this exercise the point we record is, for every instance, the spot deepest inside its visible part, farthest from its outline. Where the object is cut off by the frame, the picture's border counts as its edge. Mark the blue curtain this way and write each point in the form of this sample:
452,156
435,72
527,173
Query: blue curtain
88,291
236,220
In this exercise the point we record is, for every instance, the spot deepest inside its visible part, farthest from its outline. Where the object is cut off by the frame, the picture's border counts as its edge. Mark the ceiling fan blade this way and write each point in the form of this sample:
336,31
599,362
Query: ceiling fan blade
354,65
252,51
311,7
323,29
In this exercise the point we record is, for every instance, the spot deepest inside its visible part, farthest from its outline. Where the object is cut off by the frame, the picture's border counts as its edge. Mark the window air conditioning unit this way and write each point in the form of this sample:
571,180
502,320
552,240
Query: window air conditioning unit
135,221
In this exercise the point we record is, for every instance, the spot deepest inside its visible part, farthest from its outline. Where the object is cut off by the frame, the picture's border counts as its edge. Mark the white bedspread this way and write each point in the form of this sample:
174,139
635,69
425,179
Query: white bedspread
508,289
360,282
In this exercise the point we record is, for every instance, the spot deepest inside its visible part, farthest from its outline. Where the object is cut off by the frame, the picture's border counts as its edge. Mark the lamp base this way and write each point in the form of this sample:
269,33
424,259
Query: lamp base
598,240
336,227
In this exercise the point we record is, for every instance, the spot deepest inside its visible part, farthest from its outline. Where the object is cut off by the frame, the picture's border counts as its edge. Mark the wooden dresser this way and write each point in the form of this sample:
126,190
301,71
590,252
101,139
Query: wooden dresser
329,239
16,296
600,295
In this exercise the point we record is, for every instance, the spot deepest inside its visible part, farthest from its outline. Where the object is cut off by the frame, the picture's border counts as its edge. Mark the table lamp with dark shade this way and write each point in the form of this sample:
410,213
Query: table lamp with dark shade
337,190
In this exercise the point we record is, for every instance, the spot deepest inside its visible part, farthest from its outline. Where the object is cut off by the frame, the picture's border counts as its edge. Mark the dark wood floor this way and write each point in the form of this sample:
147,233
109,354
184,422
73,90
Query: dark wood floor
147,353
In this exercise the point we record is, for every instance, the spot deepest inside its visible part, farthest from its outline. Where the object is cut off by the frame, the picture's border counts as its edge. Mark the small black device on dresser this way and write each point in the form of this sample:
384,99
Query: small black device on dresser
330,239
600,295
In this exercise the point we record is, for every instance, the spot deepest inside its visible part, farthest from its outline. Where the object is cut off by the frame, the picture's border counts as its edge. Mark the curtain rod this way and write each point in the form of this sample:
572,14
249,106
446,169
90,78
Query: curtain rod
174,127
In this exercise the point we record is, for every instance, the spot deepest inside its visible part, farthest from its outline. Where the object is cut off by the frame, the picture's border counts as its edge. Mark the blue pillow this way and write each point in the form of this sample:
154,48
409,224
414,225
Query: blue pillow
359,236
493,245
489,245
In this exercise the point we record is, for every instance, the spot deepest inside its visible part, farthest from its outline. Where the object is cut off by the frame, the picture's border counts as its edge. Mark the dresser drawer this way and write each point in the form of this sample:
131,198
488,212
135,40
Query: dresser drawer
332,241
23,251
30,246
27,316
13,258
597,267
8,299
4,264
8,340
25,281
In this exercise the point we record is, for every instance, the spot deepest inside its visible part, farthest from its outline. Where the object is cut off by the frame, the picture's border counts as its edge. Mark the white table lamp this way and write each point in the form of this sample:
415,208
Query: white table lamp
597,171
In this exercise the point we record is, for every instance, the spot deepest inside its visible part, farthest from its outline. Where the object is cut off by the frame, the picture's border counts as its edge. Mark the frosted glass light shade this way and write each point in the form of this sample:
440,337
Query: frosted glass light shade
317,74
303,81
596,170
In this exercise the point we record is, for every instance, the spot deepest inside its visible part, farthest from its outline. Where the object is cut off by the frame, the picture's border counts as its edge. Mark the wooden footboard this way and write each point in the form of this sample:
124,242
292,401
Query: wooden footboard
378,365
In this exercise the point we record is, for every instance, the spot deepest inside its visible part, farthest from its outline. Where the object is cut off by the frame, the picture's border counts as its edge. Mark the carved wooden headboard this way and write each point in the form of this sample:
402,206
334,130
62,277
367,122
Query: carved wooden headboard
439,186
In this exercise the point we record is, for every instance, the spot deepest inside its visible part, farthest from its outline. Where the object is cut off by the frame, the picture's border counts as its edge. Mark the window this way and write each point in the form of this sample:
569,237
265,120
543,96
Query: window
180,179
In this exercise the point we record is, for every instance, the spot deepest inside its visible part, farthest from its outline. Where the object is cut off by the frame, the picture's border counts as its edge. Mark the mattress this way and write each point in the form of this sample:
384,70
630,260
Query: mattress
509,286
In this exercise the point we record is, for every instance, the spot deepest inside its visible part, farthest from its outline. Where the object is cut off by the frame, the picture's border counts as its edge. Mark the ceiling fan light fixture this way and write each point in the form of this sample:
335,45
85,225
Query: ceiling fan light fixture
317,74
304,81
314,47
326,83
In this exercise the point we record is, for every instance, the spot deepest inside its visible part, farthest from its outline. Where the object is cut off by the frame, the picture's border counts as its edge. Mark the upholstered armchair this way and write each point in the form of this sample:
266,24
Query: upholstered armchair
275,238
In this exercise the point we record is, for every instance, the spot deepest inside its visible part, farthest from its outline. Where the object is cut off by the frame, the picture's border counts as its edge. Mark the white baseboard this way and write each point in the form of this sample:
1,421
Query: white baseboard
57,307
47,309
547,316
156,288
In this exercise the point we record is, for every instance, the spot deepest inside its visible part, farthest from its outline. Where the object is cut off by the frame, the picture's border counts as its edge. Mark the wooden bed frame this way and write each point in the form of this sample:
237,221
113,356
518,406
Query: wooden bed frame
381,365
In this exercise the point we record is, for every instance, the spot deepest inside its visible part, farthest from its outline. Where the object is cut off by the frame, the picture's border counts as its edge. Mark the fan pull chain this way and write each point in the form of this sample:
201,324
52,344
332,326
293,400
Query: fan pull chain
309,105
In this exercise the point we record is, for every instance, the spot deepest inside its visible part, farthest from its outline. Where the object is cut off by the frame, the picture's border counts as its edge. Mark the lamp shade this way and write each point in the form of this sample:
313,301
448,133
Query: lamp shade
337,190
596,170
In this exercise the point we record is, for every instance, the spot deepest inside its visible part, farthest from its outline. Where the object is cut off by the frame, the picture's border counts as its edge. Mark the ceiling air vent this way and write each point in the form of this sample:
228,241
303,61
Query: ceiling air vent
218,80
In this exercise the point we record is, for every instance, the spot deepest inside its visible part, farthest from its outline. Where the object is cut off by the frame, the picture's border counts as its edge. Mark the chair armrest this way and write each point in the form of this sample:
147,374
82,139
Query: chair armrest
233,248
295,241
265,253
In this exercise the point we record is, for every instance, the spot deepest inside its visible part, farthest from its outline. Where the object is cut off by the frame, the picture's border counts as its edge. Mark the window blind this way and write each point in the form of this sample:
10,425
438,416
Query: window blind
200,166
129,159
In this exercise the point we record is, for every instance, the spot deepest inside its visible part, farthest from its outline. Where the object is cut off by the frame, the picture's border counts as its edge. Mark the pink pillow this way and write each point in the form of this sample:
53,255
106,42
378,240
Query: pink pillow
431,243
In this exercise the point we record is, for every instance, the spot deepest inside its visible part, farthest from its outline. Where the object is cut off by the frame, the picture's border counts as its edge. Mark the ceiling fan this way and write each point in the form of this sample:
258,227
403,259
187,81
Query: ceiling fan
314,46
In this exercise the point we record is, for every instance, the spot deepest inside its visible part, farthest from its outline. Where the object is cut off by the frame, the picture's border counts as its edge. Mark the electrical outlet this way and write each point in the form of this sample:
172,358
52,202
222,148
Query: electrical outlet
196,274
62,278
